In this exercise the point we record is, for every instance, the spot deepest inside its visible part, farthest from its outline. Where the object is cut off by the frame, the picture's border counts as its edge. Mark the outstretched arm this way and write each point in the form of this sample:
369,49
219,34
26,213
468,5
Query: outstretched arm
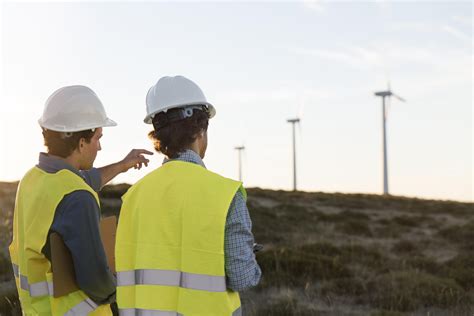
134,159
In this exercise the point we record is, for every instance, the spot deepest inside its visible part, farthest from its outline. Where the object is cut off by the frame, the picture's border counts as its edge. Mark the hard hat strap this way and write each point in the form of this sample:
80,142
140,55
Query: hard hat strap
69,134
162,119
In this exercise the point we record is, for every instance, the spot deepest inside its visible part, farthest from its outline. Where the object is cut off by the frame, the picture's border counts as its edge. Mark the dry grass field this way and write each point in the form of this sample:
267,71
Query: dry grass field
336,254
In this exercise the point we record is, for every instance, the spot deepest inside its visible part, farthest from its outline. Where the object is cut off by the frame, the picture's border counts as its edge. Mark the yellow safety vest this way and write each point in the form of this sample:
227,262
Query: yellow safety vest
169,250
39,193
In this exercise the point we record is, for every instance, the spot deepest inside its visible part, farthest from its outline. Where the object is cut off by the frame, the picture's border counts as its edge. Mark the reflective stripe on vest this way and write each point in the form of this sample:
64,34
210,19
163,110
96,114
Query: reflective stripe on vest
83,308
149,312
16,270
46,288
146,312
187,280
35,289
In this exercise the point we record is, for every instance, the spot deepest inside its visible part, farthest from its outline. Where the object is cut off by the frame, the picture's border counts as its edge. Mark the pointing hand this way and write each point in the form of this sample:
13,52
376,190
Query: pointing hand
136,159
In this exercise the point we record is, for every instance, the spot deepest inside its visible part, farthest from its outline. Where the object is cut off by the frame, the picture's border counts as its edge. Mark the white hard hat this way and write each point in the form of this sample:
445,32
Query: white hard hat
73,109
174,92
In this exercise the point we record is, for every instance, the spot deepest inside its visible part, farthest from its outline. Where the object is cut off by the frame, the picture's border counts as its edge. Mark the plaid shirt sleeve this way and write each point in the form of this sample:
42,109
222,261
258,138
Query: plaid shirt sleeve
242,270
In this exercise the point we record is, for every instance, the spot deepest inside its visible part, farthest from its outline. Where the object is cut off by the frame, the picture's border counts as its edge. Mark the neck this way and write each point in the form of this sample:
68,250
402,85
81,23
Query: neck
195,147
71,160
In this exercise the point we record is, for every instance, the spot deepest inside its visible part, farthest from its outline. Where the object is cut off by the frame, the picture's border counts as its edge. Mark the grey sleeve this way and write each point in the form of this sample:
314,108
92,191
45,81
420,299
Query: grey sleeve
92,178
241,267
77,221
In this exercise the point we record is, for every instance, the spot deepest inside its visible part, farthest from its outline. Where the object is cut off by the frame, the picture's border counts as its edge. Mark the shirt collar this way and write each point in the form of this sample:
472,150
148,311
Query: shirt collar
52,164
188,156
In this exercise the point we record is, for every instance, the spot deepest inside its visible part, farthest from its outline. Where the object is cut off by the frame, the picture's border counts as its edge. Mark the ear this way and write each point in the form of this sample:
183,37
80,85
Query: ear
200,135
80,146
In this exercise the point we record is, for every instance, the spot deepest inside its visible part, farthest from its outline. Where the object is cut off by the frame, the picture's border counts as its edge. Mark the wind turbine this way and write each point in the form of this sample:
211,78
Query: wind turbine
386,94
239,150
294,121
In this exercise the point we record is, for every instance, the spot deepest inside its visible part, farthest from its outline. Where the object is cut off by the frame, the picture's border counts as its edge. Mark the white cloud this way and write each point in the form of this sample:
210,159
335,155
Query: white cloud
353,56
340,56
315,5
430,69
411,26
379,54
456,33
466,20
282,93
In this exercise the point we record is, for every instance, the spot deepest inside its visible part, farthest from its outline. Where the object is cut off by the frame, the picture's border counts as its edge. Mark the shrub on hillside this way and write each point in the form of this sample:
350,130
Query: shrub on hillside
355,227
410,290
461,269
462,235
297,267
404,247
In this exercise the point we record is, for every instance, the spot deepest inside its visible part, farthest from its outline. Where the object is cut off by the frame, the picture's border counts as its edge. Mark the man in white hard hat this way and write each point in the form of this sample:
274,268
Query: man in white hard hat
59,195
184,242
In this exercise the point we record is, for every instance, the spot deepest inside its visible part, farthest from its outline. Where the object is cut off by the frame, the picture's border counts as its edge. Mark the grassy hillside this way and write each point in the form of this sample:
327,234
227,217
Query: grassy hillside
338,254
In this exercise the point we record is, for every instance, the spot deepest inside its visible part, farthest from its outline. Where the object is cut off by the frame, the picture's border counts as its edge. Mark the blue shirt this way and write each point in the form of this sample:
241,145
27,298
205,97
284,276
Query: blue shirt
76,219
241,268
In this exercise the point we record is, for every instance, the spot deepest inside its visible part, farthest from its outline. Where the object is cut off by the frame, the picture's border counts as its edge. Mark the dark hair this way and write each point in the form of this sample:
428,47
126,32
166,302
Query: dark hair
63,144
175,137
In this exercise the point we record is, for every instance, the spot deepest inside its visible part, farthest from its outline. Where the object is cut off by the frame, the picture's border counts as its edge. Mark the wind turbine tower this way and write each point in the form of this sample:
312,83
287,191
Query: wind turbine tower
239,150
386,94
293,122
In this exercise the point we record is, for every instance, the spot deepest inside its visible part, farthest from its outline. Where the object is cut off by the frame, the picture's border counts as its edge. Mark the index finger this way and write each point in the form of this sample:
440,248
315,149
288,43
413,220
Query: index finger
143,151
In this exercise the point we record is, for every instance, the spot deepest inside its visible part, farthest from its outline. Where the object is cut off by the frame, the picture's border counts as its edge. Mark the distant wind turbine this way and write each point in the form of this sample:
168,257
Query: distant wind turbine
239,150
386,94
294,121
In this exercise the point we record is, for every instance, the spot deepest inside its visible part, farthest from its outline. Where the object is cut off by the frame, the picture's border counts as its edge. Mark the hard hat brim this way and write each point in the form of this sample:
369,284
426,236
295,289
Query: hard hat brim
56,128
109,123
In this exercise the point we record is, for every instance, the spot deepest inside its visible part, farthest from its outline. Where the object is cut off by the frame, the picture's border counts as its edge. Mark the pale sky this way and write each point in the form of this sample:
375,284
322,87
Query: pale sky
259,63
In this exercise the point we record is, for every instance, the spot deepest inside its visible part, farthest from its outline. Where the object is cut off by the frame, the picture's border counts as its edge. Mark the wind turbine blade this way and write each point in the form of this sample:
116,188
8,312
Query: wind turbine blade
300,133
399,98
301,107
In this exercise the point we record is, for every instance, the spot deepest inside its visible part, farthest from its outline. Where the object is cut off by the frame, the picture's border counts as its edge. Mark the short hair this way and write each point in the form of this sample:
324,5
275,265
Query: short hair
63,144
173,138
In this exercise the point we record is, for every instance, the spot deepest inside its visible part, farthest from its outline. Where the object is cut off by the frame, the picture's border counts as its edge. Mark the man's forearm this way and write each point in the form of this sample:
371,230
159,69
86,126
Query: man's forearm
134,159
109,172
